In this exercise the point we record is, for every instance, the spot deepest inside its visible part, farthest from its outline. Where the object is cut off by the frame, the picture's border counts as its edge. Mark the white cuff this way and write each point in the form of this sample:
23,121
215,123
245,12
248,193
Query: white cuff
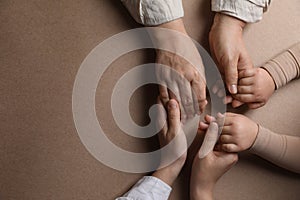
246,10
148,188
154,12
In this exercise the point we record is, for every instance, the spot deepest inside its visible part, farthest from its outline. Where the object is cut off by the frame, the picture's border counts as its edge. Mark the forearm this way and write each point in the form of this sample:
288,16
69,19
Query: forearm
285,67
281,150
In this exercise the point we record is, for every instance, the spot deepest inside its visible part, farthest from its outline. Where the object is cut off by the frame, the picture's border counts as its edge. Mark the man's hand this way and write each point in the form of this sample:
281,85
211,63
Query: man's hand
191,93
172,130
228,48
206,171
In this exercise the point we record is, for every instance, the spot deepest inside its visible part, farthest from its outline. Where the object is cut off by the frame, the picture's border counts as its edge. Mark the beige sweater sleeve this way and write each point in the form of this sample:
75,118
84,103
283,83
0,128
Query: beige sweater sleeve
285,67
282,150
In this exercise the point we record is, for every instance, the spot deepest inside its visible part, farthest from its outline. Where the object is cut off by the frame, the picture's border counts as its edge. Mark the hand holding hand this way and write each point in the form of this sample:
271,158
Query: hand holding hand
191,94
172,129
206,171
255,88
228,48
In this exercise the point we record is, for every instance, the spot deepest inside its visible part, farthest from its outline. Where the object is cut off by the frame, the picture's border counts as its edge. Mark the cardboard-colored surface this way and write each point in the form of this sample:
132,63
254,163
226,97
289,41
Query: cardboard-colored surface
42,44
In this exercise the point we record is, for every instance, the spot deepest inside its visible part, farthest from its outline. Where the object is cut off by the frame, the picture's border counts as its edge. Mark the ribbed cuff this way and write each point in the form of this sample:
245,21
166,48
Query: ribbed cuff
285,67
269,145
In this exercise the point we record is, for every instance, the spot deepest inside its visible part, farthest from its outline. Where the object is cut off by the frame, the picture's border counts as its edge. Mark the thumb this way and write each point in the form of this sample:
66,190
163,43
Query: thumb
210,139
231,74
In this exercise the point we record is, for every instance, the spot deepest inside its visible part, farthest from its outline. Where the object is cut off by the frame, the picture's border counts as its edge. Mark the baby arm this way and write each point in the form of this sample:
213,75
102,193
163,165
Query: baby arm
239,133
255,88
257,85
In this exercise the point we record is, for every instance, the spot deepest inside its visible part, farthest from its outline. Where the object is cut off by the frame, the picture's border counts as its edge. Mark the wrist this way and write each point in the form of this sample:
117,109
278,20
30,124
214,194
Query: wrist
167,174
255,133
176,25
205,194
176,37
269,78
229,21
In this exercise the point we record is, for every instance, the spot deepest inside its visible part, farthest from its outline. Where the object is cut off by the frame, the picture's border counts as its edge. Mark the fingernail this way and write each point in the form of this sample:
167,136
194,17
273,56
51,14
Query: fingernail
172,104
233,89
214,90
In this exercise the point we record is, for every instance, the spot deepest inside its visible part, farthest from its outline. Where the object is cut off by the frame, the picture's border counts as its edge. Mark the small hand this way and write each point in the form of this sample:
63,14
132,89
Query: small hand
238,132
255,88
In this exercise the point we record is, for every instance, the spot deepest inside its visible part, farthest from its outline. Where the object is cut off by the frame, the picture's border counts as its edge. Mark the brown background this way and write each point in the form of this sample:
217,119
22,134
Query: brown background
42,44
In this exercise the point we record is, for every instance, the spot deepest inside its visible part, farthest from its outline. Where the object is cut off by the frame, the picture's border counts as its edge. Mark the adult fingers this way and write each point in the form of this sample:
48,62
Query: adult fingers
163,94
161,117
173,117
186,99
231,73
199,91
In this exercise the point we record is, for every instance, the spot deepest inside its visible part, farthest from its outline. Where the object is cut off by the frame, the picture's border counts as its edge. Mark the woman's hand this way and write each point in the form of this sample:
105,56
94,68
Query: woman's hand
207,170
172,131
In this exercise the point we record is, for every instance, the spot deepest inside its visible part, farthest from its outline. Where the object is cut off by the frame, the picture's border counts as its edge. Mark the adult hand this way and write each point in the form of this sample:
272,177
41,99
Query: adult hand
206,171
191,94
228,48
172,130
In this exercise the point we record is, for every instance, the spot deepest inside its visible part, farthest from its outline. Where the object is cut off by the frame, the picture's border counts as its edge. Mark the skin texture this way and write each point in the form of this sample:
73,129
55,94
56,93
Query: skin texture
191,94
228,49
172,129
238,132
206,171
255,88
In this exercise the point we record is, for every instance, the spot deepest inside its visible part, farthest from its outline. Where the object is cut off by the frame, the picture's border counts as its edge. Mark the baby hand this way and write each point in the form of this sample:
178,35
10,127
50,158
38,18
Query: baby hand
255,87
238,132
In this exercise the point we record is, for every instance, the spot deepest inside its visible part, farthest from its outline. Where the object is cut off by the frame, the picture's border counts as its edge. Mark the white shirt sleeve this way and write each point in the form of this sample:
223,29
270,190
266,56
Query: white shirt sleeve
154,12
246,10
148,188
